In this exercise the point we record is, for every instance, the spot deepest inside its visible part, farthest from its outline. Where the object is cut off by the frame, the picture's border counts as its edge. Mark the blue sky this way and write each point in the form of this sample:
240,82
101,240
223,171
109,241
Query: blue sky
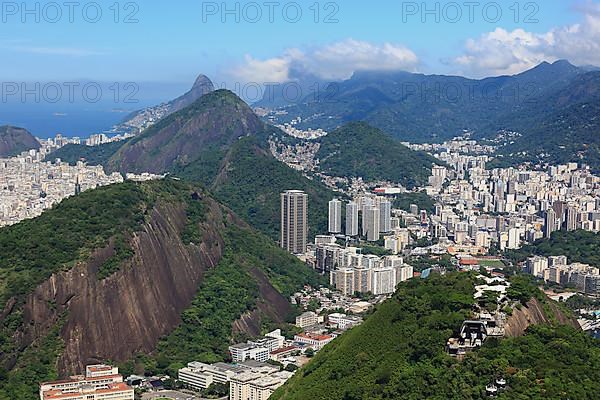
174,42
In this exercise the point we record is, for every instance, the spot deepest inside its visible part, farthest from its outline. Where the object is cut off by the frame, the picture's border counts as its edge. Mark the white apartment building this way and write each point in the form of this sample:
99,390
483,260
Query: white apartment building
344,321
307,319
384,280
244,351
352,219
335,216
372,216
258,349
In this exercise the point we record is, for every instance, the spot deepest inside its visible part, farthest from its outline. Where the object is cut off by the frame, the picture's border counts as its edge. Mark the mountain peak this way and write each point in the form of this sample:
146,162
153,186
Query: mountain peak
563,63
202,86
203,82
215,120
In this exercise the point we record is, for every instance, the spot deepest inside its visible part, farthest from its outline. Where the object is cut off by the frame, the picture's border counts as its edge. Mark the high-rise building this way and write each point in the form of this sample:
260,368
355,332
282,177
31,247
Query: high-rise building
385,216
352,219
384,280
294,221
571,218
372,220
335,216
550,223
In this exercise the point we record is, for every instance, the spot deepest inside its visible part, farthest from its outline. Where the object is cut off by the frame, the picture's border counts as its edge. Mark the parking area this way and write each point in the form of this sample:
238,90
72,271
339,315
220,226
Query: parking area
173,395
170,395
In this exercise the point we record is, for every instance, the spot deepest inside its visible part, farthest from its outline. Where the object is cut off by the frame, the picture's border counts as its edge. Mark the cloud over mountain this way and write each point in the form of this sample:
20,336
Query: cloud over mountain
334,61
509,52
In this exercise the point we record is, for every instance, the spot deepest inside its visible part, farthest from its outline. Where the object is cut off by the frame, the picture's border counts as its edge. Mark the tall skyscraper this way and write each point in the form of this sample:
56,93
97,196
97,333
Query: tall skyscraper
550,223
335,216
352,219
372,216
294,221
571,218
366,203
385,217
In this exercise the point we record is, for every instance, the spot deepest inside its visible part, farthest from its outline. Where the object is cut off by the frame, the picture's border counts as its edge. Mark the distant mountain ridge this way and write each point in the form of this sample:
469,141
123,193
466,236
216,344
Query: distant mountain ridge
552,107
419,108
14,141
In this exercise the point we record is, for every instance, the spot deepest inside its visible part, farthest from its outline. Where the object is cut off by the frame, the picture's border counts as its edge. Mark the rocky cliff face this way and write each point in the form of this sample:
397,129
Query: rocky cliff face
16,140
534,314
114,318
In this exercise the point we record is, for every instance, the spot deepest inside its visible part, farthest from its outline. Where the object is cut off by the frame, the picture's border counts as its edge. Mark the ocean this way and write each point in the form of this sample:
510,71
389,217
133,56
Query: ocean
45,119
71,120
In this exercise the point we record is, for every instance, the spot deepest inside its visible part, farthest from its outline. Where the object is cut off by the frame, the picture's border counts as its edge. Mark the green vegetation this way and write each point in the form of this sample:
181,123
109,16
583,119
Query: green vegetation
196,213
249,181
422,263
122,253
578,246
421,199
491,263
359,150
92,155
36,364
398,352
66,234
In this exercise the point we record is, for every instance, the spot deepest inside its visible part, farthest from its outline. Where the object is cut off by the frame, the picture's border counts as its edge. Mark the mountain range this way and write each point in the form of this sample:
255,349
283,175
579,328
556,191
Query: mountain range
220,142
549,106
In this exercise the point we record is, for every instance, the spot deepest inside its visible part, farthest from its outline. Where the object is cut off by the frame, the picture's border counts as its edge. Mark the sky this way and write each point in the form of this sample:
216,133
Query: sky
278,41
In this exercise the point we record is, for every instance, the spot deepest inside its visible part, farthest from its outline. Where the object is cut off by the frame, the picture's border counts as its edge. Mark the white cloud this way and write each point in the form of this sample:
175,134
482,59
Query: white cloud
503,52
334,61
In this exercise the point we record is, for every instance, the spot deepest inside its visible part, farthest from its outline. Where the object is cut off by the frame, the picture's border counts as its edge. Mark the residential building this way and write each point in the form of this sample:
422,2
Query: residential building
256,385
384,280
294,221
200,376
307,319
550,223
352,219
385,216
343,321
335,216
372,223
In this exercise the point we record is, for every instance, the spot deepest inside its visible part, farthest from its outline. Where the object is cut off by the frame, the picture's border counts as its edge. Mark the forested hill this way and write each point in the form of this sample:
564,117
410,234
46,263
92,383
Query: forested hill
219,142
359,150
398,353
137,250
